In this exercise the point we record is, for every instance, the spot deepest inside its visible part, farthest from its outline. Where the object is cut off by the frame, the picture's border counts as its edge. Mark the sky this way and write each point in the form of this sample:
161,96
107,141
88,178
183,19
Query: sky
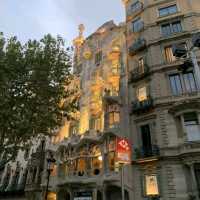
31,19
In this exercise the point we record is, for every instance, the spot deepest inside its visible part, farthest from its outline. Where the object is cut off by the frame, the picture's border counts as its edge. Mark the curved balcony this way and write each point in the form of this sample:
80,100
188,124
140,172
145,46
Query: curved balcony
138,45
111,96
139,73
139,107
143,153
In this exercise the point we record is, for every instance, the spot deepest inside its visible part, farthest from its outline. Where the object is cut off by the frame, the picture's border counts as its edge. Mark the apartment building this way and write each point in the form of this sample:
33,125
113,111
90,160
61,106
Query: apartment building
164,97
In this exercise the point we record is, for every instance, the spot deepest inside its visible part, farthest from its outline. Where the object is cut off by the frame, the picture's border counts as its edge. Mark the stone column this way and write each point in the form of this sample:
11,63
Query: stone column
37,175
196,68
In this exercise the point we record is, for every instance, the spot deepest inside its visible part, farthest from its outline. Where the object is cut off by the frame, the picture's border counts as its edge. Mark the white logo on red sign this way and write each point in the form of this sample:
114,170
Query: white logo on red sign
124,144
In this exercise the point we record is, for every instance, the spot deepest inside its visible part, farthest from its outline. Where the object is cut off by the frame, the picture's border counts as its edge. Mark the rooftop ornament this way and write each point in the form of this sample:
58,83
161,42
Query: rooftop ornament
80,39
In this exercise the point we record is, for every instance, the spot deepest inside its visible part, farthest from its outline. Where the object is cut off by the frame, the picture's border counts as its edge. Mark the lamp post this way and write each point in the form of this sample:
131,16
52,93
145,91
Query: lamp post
50,161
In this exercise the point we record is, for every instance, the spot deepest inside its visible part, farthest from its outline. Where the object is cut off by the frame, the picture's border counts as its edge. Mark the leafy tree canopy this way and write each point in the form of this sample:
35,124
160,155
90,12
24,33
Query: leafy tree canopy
34,79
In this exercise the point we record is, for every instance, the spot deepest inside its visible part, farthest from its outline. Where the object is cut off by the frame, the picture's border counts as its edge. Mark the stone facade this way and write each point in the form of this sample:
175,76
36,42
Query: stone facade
164,108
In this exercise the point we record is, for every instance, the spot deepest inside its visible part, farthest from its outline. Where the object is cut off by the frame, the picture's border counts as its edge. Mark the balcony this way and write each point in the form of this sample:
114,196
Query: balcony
111,96
139,73
135,9
138,45
142,152
142,106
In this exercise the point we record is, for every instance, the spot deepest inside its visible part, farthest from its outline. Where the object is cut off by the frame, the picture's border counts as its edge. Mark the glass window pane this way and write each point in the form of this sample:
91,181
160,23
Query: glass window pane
175,83
172,9
189,81
166,30
176,26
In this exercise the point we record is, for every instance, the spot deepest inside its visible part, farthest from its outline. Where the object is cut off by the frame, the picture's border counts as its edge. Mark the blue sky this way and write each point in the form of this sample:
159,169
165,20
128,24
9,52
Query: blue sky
34,18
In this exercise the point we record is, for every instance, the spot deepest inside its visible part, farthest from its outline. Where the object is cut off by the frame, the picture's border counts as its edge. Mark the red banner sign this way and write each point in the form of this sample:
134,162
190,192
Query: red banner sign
123,150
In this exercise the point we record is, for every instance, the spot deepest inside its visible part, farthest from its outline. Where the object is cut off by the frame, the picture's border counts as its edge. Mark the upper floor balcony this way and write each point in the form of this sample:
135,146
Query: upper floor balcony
139,45
135,9
142,106
139,72
111,96
147,152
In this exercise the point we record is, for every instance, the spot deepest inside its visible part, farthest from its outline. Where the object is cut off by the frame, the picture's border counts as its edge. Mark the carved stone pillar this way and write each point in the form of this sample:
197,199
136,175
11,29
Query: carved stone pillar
194,182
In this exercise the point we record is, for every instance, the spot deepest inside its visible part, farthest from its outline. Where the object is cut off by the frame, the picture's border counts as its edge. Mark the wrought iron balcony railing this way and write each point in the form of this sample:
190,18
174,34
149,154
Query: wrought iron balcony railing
138,7
139,72
142,152
138,45
142,106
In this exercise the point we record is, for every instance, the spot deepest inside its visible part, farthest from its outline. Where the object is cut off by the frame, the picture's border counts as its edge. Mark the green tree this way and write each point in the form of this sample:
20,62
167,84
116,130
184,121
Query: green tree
34,79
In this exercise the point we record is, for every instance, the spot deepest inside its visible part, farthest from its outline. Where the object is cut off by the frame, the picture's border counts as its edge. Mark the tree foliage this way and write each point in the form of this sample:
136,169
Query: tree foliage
34,79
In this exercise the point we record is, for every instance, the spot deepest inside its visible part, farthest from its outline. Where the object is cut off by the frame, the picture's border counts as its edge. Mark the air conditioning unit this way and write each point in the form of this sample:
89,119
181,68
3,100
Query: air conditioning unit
179,50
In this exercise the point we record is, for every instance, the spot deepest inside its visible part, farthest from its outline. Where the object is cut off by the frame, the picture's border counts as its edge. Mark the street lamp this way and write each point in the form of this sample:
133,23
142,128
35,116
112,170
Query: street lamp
50,162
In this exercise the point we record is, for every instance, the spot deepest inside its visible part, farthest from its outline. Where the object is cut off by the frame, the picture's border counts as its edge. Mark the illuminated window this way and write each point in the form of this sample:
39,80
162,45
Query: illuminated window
54,170
81,166
142,93
111,154
151,185
141,65
114,118
96,160
73,130
95,123
51,196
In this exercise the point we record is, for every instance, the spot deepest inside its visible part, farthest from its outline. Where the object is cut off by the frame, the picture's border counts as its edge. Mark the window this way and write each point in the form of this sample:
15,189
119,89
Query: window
192,127
151,185
136,6
96,160
73,130
167,10
169,55
170,28
142,93
189,82
111,154
113,119
137,25
95,123
176,85
141,65
146,140
98,58
182,83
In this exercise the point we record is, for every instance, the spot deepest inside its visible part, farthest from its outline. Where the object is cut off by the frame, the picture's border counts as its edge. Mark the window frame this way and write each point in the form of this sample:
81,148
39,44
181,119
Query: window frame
182,81
167,7
171,28
137,25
